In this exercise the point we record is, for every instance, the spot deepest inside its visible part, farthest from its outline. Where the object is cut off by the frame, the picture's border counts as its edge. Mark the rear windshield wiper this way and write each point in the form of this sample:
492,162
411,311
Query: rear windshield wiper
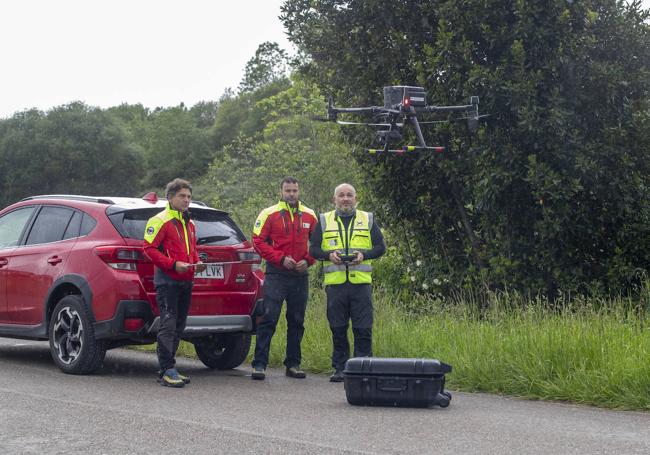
211,238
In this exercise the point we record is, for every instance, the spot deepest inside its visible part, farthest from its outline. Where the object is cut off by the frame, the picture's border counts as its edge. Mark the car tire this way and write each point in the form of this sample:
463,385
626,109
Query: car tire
223,351
73,346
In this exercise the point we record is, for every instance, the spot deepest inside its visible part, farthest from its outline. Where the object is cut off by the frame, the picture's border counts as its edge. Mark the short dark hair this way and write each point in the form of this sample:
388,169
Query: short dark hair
288,180
175,186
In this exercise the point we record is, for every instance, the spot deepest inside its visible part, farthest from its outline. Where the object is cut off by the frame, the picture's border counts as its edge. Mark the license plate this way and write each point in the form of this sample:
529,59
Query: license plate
212,272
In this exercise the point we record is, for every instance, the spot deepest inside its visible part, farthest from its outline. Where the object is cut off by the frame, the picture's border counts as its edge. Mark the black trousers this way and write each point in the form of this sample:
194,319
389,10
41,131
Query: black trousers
349,302
294,289
174,304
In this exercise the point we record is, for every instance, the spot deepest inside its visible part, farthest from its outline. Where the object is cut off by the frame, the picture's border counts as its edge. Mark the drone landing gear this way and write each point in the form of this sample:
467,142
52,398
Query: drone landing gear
405,149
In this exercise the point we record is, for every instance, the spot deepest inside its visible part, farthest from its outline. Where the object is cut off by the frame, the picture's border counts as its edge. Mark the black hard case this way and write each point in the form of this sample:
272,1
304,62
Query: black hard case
374,381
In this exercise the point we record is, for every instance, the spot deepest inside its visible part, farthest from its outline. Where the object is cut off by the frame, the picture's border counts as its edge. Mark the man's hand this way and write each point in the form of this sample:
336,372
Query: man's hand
199,267
289,263
358,258
181,267
302,266
335,258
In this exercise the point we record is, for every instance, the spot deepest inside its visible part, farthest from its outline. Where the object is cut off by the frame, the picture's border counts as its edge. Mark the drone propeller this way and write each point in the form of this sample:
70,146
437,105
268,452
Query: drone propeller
341,122
454,119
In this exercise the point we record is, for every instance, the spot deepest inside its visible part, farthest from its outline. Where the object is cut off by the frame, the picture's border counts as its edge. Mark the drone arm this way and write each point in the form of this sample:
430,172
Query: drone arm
471,110
363,110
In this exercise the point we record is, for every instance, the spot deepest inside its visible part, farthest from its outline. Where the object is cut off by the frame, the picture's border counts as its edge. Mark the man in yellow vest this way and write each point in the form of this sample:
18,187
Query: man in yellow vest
346,240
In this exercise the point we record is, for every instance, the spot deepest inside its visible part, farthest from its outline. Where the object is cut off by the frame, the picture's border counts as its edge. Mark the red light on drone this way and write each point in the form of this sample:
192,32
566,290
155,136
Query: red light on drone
406,101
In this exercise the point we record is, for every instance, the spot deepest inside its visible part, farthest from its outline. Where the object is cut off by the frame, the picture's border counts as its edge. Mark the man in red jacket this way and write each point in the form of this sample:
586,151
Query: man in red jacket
280,235
170,243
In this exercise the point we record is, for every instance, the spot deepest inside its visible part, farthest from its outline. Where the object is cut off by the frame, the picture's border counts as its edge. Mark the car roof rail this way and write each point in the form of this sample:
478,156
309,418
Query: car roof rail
70,197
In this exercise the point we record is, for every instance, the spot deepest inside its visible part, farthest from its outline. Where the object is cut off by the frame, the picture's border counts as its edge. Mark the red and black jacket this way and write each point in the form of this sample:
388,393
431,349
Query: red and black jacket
281,231
170,237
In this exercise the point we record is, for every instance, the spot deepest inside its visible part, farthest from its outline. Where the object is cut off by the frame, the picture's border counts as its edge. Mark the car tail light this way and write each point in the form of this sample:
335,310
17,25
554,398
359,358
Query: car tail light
250,257
120,257
133,324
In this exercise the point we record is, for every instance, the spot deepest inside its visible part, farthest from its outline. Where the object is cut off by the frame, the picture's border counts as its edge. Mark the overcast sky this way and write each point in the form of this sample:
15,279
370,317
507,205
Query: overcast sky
158,53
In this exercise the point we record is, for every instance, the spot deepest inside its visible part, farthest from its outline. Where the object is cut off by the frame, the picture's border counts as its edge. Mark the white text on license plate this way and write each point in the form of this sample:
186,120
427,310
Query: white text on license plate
213,272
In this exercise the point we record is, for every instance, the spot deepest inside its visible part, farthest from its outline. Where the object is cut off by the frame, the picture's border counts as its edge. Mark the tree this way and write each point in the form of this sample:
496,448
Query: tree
73,149
205,113
239,114
553,192
245,177
270,64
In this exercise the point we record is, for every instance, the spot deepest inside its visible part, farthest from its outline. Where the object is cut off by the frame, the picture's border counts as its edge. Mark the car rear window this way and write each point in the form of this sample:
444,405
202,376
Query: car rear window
212,227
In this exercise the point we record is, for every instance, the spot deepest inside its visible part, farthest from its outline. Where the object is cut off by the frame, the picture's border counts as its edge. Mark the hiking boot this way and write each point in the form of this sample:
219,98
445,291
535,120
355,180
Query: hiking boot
185,379
259,373
171,378
295,372
337,376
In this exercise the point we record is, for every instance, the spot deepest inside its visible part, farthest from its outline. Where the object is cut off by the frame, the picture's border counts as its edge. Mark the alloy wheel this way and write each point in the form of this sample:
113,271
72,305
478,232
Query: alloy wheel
68,335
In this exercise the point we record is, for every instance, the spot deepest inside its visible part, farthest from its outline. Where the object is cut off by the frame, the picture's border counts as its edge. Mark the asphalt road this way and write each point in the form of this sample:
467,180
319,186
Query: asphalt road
122,410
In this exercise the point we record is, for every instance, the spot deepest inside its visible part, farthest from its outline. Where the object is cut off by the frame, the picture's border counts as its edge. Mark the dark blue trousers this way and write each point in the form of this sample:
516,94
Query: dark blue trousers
174,303
294,289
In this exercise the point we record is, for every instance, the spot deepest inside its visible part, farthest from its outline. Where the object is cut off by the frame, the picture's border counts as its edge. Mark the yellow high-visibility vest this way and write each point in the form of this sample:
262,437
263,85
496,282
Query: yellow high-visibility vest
357,238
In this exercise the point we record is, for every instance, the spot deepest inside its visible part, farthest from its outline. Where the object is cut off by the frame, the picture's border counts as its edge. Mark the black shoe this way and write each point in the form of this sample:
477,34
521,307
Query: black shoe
295,372
171,378
337,376
259,373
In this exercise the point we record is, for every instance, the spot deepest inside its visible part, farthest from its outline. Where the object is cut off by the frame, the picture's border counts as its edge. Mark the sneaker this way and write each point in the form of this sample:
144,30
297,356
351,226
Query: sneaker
259,373
185,379
337,376
171,378
295,372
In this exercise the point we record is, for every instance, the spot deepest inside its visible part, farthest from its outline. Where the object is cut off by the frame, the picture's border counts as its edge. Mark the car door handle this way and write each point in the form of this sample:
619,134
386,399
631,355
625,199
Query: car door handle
54,260
3,262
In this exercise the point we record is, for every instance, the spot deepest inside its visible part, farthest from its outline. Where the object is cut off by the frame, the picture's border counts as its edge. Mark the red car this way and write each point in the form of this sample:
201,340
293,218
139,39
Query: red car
72,271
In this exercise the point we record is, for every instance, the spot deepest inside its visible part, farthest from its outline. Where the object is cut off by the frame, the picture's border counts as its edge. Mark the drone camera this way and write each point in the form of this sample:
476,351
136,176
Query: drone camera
388,136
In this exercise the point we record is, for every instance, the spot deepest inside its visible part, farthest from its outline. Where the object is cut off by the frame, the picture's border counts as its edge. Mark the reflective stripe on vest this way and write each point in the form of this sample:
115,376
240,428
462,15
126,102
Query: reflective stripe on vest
337,268
357,238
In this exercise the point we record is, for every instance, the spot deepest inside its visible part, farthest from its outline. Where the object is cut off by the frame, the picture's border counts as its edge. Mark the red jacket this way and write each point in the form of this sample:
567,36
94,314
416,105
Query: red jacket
278,233
170,237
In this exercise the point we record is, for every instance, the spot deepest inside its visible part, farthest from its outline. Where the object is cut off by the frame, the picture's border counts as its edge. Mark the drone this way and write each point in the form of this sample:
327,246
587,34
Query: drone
402,104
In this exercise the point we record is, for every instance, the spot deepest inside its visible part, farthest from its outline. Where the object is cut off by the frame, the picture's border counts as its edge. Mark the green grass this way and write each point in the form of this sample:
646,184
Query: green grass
582,352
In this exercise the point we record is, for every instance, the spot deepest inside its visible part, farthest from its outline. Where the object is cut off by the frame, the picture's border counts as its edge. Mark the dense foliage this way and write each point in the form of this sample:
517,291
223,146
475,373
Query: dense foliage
246,173
552,194
72,149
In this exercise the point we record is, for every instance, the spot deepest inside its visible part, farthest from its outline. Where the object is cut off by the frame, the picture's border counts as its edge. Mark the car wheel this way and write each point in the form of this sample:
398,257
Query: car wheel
224,351
72,339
